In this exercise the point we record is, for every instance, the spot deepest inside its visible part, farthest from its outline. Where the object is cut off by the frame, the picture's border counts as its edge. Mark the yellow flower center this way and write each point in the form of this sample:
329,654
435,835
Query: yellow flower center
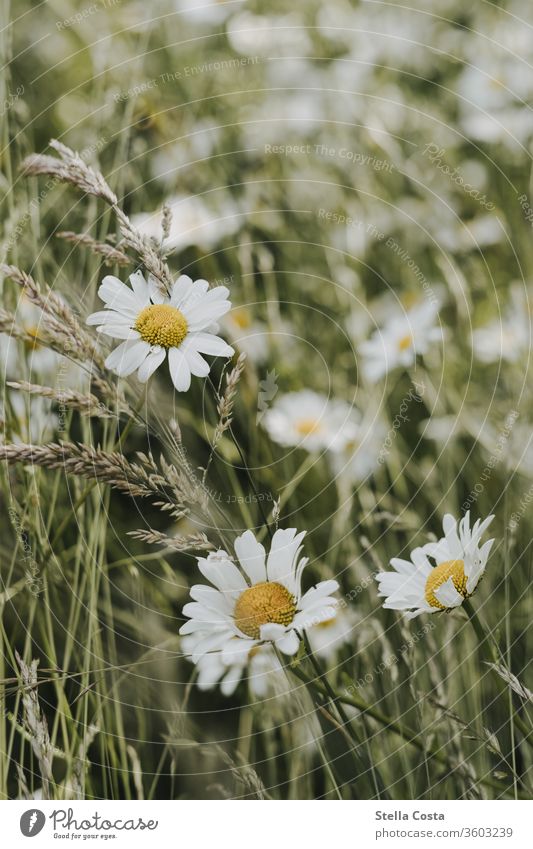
327,623
31,343
261,604
305,427
454,569
241,319
161,324
405,342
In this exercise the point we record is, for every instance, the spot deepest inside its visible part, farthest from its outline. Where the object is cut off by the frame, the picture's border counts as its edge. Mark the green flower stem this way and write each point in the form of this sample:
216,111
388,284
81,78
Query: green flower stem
407,734
490,653
401,730
487,646
251,481
323,678
312,685
346,724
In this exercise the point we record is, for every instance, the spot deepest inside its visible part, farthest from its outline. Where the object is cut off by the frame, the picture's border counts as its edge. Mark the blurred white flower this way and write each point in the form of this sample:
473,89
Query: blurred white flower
416,586
362,454
442,428
328,637
287,120
490,85
154,325
211,12
247,334
311,421
263,603
512,126
171,159
400,341
259,35
508,337
260,669
42,362
495,88
28,418
518,448
193,223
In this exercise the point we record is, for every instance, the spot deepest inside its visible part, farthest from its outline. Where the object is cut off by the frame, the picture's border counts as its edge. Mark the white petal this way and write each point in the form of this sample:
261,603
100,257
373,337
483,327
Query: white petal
396,587
229,683
208,343
448,595
405,567
272,631
389,582
316,594
119,331
194,627
179,370
132,356
419,558
210,670
440,551
211,642
120,297
475,566
139,286
212,619
155,289
203,316
108,317
449,526
180,290
412,613
258,684
151,363
289,643
212,599
198,366
195,294
251,556
211,307
400,604
281,560
223,574
237,650
314,616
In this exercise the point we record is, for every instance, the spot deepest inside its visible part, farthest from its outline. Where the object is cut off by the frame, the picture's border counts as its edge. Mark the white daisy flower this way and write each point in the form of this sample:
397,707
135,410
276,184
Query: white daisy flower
329,636
42,361
248,335
153,325
30,419
400,341
259,604
311,421
417,586
362,455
